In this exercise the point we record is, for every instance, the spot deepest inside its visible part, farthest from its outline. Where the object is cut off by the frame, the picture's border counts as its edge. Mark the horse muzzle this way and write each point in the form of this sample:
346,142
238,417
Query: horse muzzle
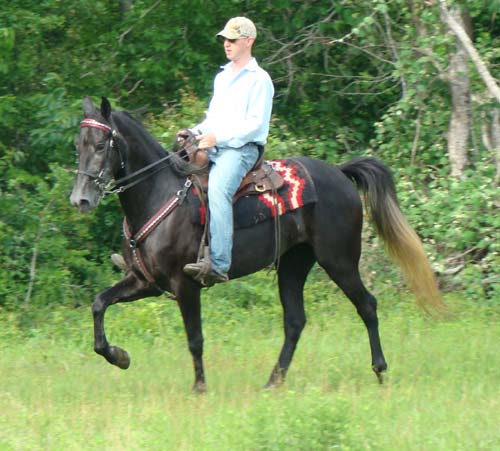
85,196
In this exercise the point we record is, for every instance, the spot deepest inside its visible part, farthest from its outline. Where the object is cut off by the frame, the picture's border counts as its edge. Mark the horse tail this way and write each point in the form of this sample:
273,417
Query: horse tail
401,241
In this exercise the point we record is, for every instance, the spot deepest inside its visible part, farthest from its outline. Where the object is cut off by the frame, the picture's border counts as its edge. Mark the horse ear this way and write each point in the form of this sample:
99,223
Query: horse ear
88,107
105,108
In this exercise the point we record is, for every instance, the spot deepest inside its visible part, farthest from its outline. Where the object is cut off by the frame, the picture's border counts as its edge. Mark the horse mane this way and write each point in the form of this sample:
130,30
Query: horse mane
179,166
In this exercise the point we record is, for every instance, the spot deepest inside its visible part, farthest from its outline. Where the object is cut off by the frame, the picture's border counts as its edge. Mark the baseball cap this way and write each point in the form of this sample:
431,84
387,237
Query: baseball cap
238,27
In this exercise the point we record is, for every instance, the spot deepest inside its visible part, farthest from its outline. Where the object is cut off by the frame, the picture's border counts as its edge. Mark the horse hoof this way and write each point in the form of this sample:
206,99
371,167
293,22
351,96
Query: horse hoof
199,388
274,383
119,357
378,370
119,262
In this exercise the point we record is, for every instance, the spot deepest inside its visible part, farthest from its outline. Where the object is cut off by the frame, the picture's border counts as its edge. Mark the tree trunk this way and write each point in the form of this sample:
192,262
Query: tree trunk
456,25
459,128
495,140
126,5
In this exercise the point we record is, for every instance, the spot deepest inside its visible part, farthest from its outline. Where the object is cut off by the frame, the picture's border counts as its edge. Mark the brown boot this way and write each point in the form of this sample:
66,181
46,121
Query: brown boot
202,272
119,262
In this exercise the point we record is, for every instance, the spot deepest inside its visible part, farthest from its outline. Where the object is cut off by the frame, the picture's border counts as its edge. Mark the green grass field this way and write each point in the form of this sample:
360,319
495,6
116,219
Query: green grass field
441,391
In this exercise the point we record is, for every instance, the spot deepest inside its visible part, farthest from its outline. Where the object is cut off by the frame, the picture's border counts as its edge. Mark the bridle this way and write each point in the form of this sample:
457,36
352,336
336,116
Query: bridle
106,187
109,145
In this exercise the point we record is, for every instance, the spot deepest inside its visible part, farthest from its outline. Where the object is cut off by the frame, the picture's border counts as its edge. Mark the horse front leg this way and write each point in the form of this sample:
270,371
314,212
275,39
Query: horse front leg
190,306
130,288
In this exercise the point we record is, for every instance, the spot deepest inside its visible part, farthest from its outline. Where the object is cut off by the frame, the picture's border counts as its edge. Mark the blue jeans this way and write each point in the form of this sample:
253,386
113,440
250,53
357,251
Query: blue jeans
228,167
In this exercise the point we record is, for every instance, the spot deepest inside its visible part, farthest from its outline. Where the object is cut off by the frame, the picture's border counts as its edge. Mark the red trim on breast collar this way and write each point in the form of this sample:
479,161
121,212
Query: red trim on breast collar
145,231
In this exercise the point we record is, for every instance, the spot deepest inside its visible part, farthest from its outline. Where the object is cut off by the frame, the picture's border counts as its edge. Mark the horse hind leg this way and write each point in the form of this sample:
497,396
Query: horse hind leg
293,270
347,277
130,288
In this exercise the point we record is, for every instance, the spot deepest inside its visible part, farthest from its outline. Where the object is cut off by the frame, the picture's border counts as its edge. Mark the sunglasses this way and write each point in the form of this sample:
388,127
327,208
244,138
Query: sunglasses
232,41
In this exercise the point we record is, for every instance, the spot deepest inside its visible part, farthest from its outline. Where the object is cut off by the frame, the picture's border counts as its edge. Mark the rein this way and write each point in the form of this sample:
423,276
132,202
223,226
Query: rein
119,187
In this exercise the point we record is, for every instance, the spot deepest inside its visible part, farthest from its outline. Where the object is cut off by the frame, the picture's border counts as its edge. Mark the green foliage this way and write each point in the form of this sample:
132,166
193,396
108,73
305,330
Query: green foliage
48,255
352,78
457,219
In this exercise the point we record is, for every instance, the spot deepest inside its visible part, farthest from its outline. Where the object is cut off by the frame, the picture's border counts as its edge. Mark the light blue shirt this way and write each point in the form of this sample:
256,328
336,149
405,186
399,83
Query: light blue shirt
240,109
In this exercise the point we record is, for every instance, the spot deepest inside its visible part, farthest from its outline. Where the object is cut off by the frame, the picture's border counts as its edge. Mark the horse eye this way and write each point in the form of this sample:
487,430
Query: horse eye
100,147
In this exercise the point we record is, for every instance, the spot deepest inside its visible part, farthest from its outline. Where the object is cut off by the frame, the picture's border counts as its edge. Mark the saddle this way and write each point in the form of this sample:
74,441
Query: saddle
260,179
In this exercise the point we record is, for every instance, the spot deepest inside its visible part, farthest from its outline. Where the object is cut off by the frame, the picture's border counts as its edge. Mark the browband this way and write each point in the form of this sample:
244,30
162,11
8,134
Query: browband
88,122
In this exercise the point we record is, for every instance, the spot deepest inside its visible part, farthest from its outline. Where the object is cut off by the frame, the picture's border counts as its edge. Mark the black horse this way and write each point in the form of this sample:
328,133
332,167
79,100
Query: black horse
112,145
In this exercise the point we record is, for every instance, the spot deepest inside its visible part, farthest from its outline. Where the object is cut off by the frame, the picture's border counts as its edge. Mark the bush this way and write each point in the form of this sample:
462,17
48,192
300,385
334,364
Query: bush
457,222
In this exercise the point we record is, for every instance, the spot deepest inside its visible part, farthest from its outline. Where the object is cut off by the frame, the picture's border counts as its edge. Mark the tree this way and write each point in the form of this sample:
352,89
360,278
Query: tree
460,121
458,152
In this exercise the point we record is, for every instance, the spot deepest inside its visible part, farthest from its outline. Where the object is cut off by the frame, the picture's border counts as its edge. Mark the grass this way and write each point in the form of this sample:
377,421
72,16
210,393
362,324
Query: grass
441,392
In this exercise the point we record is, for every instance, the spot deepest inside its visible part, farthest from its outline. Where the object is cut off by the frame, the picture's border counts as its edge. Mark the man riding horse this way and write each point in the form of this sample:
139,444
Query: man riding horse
236,123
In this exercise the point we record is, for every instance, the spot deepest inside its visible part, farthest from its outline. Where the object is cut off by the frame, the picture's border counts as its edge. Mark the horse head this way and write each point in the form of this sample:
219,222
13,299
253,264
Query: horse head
99,158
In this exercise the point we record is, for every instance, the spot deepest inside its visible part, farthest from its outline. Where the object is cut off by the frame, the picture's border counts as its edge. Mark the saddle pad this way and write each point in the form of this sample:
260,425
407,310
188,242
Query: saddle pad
297,191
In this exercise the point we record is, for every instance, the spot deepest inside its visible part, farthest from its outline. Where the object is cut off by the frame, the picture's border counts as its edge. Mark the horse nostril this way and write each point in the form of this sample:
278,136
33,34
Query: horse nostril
83,201
84,205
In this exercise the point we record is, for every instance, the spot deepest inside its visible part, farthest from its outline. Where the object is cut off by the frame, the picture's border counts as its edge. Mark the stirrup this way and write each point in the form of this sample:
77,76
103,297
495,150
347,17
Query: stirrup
203,273
199,270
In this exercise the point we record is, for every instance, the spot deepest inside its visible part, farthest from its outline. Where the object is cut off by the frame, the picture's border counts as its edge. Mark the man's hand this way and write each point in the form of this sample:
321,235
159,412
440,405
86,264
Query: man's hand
182,135
207,141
